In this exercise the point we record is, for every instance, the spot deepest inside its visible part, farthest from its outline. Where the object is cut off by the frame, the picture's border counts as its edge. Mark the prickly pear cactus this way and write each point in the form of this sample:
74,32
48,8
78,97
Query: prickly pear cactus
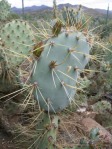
9,77
4,10
46,138
18,40
73,17
68,15
56,71
79,14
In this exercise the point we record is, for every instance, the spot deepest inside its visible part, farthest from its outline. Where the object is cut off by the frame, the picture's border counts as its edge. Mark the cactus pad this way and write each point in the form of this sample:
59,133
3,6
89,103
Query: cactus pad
56,71
46,132
4,10
72,17
18,40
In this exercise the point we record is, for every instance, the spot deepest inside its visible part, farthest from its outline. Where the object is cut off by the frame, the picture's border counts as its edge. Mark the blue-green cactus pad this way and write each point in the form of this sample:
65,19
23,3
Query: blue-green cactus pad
56,87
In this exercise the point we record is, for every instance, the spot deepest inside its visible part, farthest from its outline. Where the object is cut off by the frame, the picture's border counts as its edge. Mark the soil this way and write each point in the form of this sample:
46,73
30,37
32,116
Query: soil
70,129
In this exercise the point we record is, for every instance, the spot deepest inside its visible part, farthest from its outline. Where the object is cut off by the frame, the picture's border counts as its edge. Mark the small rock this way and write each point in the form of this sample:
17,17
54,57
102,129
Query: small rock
89,123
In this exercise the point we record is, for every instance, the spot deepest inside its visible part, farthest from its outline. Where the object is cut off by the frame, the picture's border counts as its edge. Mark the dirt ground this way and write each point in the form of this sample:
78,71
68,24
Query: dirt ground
70,130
